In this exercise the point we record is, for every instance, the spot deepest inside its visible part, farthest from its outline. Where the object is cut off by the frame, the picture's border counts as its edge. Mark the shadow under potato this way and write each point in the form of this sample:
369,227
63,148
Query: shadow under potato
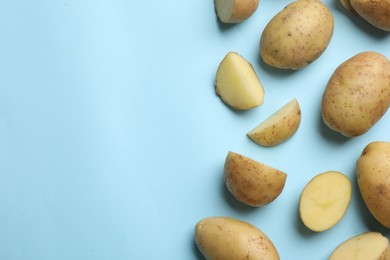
233,202
329,134
361,23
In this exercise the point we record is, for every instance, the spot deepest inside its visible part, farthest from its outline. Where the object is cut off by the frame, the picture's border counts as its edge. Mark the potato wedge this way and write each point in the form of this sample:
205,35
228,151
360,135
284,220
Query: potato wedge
235,11
237,83
367,246
278,127
324,200
252,182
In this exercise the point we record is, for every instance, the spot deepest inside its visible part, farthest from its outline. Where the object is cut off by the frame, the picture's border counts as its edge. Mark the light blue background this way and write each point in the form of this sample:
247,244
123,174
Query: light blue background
112,140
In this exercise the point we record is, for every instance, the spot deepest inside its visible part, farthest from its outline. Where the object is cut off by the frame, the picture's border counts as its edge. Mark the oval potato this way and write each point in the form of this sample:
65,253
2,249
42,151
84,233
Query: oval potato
222,238
358,94
297,35
373,177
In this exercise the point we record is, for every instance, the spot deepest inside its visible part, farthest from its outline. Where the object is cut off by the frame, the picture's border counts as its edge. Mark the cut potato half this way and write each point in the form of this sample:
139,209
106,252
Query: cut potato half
235,11
237,83
252,182
279,127
324,200
367,246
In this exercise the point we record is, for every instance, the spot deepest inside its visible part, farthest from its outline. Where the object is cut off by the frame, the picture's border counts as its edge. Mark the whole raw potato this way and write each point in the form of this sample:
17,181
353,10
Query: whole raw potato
223,238
297,35
376,12
373,176
357,94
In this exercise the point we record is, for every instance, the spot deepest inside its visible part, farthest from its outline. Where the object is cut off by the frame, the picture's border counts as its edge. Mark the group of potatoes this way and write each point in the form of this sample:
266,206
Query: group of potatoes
355,98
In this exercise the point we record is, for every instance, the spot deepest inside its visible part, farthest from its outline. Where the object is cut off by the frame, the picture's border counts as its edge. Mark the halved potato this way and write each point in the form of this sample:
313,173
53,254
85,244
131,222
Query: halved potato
252,182
237,83
235,11
367,246
324,200
279,127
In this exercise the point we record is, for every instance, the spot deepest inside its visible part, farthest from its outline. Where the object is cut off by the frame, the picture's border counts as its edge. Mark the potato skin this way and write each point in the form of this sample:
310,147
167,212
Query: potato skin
252,182
297,35
357,94
221,238
373,177
375,12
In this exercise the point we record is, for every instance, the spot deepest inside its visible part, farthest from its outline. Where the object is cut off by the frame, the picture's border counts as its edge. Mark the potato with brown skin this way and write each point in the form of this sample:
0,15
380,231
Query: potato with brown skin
366,246
375,12
358,94
235,11
373,177
297,35
222,238
252,182
279,127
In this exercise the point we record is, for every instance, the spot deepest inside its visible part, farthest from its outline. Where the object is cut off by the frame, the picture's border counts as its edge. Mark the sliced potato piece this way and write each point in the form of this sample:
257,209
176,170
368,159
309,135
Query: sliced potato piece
235,11
278,127
237,83
252,182
367,246
324,200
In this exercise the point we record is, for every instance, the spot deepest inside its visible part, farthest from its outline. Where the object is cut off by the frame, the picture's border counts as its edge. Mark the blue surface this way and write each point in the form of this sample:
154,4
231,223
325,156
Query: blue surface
112,140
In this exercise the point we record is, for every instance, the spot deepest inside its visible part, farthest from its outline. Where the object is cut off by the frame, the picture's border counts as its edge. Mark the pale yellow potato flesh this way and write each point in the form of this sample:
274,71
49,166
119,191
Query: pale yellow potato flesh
237,83
235,11
223,238
324,200
252,182
279,127
367,246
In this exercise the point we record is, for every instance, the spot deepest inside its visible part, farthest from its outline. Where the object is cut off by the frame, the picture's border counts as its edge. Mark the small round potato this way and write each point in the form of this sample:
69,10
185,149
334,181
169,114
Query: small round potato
357,94
373,176
222,238
252,182
297,35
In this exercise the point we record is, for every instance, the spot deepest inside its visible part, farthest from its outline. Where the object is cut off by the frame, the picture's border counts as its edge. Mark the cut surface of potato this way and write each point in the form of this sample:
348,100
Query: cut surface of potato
237,83
235,11
367,246
252,182
279,127
324,200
